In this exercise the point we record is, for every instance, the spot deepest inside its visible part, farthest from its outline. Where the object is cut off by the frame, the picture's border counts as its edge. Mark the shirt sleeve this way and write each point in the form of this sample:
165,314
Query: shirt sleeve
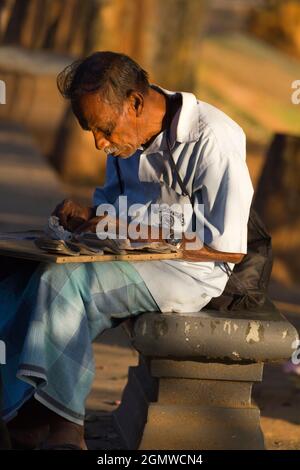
111,190
222,196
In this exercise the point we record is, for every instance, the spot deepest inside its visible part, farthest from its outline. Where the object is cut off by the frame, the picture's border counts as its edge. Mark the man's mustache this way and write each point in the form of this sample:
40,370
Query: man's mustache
109,150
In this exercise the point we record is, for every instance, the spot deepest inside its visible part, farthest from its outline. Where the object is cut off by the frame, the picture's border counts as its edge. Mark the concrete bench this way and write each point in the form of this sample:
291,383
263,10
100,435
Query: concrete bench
192,386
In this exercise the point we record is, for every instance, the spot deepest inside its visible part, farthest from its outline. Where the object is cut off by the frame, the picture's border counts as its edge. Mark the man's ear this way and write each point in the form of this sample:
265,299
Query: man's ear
137,102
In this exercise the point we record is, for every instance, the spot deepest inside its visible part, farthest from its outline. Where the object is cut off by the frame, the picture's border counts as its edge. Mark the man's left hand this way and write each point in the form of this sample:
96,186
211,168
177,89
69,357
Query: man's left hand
88,226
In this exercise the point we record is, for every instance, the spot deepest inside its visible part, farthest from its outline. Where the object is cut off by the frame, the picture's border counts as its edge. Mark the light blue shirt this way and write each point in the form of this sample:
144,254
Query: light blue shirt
209,149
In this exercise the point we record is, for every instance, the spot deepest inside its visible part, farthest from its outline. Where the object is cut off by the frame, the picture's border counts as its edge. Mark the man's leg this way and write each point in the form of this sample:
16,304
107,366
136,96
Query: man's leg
67,306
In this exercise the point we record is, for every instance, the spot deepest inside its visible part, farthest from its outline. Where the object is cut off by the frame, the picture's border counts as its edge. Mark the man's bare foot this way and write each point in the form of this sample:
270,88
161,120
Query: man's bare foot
37,426
63,432
30,427
28,438
64,435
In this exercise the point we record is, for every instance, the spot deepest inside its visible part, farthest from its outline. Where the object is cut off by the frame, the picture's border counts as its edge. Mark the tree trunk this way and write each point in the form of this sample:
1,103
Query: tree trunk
162,36
278,200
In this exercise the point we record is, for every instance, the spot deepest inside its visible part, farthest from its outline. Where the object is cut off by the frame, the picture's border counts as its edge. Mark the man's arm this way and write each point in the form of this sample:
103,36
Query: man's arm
204,253
209,254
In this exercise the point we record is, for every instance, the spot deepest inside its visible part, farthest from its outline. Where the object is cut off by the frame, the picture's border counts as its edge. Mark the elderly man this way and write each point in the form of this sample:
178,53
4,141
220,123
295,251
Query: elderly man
162,147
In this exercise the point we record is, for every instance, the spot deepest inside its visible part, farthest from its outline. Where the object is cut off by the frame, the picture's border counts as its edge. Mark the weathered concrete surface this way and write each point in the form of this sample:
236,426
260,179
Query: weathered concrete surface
199,370
193,413
204,392
191,427
263,336
201,390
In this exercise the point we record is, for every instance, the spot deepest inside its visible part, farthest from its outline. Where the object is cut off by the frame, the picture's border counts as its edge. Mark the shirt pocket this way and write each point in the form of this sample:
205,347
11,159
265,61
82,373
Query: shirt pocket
175,208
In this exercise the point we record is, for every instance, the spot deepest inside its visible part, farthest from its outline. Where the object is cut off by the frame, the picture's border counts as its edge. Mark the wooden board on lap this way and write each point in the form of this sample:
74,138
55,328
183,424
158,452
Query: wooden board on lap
26,249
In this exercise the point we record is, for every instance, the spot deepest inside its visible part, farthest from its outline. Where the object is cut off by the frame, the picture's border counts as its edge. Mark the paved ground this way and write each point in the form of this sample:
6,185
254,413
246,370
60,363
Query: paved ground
29,190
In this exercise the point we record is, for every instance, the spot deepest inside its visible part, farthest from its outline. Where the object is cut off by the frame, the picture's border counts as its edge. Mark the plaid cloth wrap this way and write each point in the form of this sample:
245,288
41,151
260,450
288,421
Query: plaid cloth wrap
49,315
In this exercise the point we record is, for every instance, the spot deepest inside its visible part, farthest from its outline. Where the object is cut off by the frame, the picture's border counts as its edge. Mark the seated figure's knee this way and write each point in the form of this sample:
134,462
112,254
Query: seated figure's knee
57,274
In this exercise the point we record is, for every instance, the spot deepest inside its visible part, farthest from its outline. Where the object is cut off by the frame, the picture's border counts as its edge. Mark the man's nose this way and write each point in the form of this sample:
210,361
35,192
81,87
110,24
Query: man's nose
100,141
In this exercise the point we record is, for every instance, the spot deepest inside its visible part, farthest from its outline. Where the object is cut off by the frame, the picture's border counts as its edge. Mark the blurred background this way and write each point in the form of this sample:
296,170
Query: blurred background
241,56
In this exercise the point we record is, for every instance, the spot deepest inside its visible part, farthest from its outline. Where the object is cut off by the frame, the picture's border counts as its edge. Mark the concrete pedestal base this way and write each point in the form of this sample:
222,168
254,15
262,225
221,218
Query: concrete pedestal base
170,404
192,387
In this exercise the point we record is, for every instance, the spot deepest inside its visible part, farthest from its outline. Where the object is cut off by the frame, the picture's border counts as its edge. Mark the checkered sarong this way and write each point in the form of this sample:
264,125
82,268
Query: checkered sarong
49,315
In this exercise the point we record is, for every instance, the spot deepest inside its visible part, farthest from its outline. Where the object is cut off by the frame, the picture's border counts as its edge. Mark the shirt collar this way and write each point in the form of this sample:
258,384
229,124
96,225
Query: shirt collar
185,126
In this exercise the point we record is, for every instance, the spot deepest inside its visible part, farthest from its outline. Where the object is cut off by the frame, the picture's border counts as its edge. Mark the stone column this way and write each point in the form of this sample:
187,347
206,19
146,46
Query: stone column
170,404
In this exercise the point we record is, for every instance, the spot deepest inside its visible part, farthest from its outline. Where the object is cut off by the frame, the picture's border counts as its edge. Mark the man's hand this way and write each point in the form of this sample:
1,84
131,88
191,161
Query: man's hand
109,223
208,254
88,226
72,214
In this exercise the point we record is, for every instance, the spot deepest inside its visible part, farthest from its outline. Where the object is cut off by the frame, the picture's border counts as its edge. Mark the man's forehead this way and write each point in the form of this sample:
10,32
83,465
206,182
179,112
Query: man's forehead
94,104
94,109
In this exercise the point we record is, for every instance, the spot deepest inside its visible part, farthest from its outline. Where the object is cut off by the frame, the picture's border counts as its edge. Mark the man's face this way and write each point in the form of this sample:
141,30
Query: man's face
115,129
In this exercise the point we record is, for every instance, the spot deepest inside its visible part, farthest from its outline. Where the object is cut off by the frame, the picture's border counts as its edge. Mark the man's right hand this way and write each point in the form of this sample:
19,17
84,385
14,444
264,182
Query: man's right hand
72,214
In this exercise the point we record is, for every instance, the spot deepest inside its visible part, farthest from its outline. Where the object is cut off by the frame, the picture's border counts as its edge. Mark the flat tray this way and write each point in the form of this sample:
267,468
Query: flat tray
26,249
